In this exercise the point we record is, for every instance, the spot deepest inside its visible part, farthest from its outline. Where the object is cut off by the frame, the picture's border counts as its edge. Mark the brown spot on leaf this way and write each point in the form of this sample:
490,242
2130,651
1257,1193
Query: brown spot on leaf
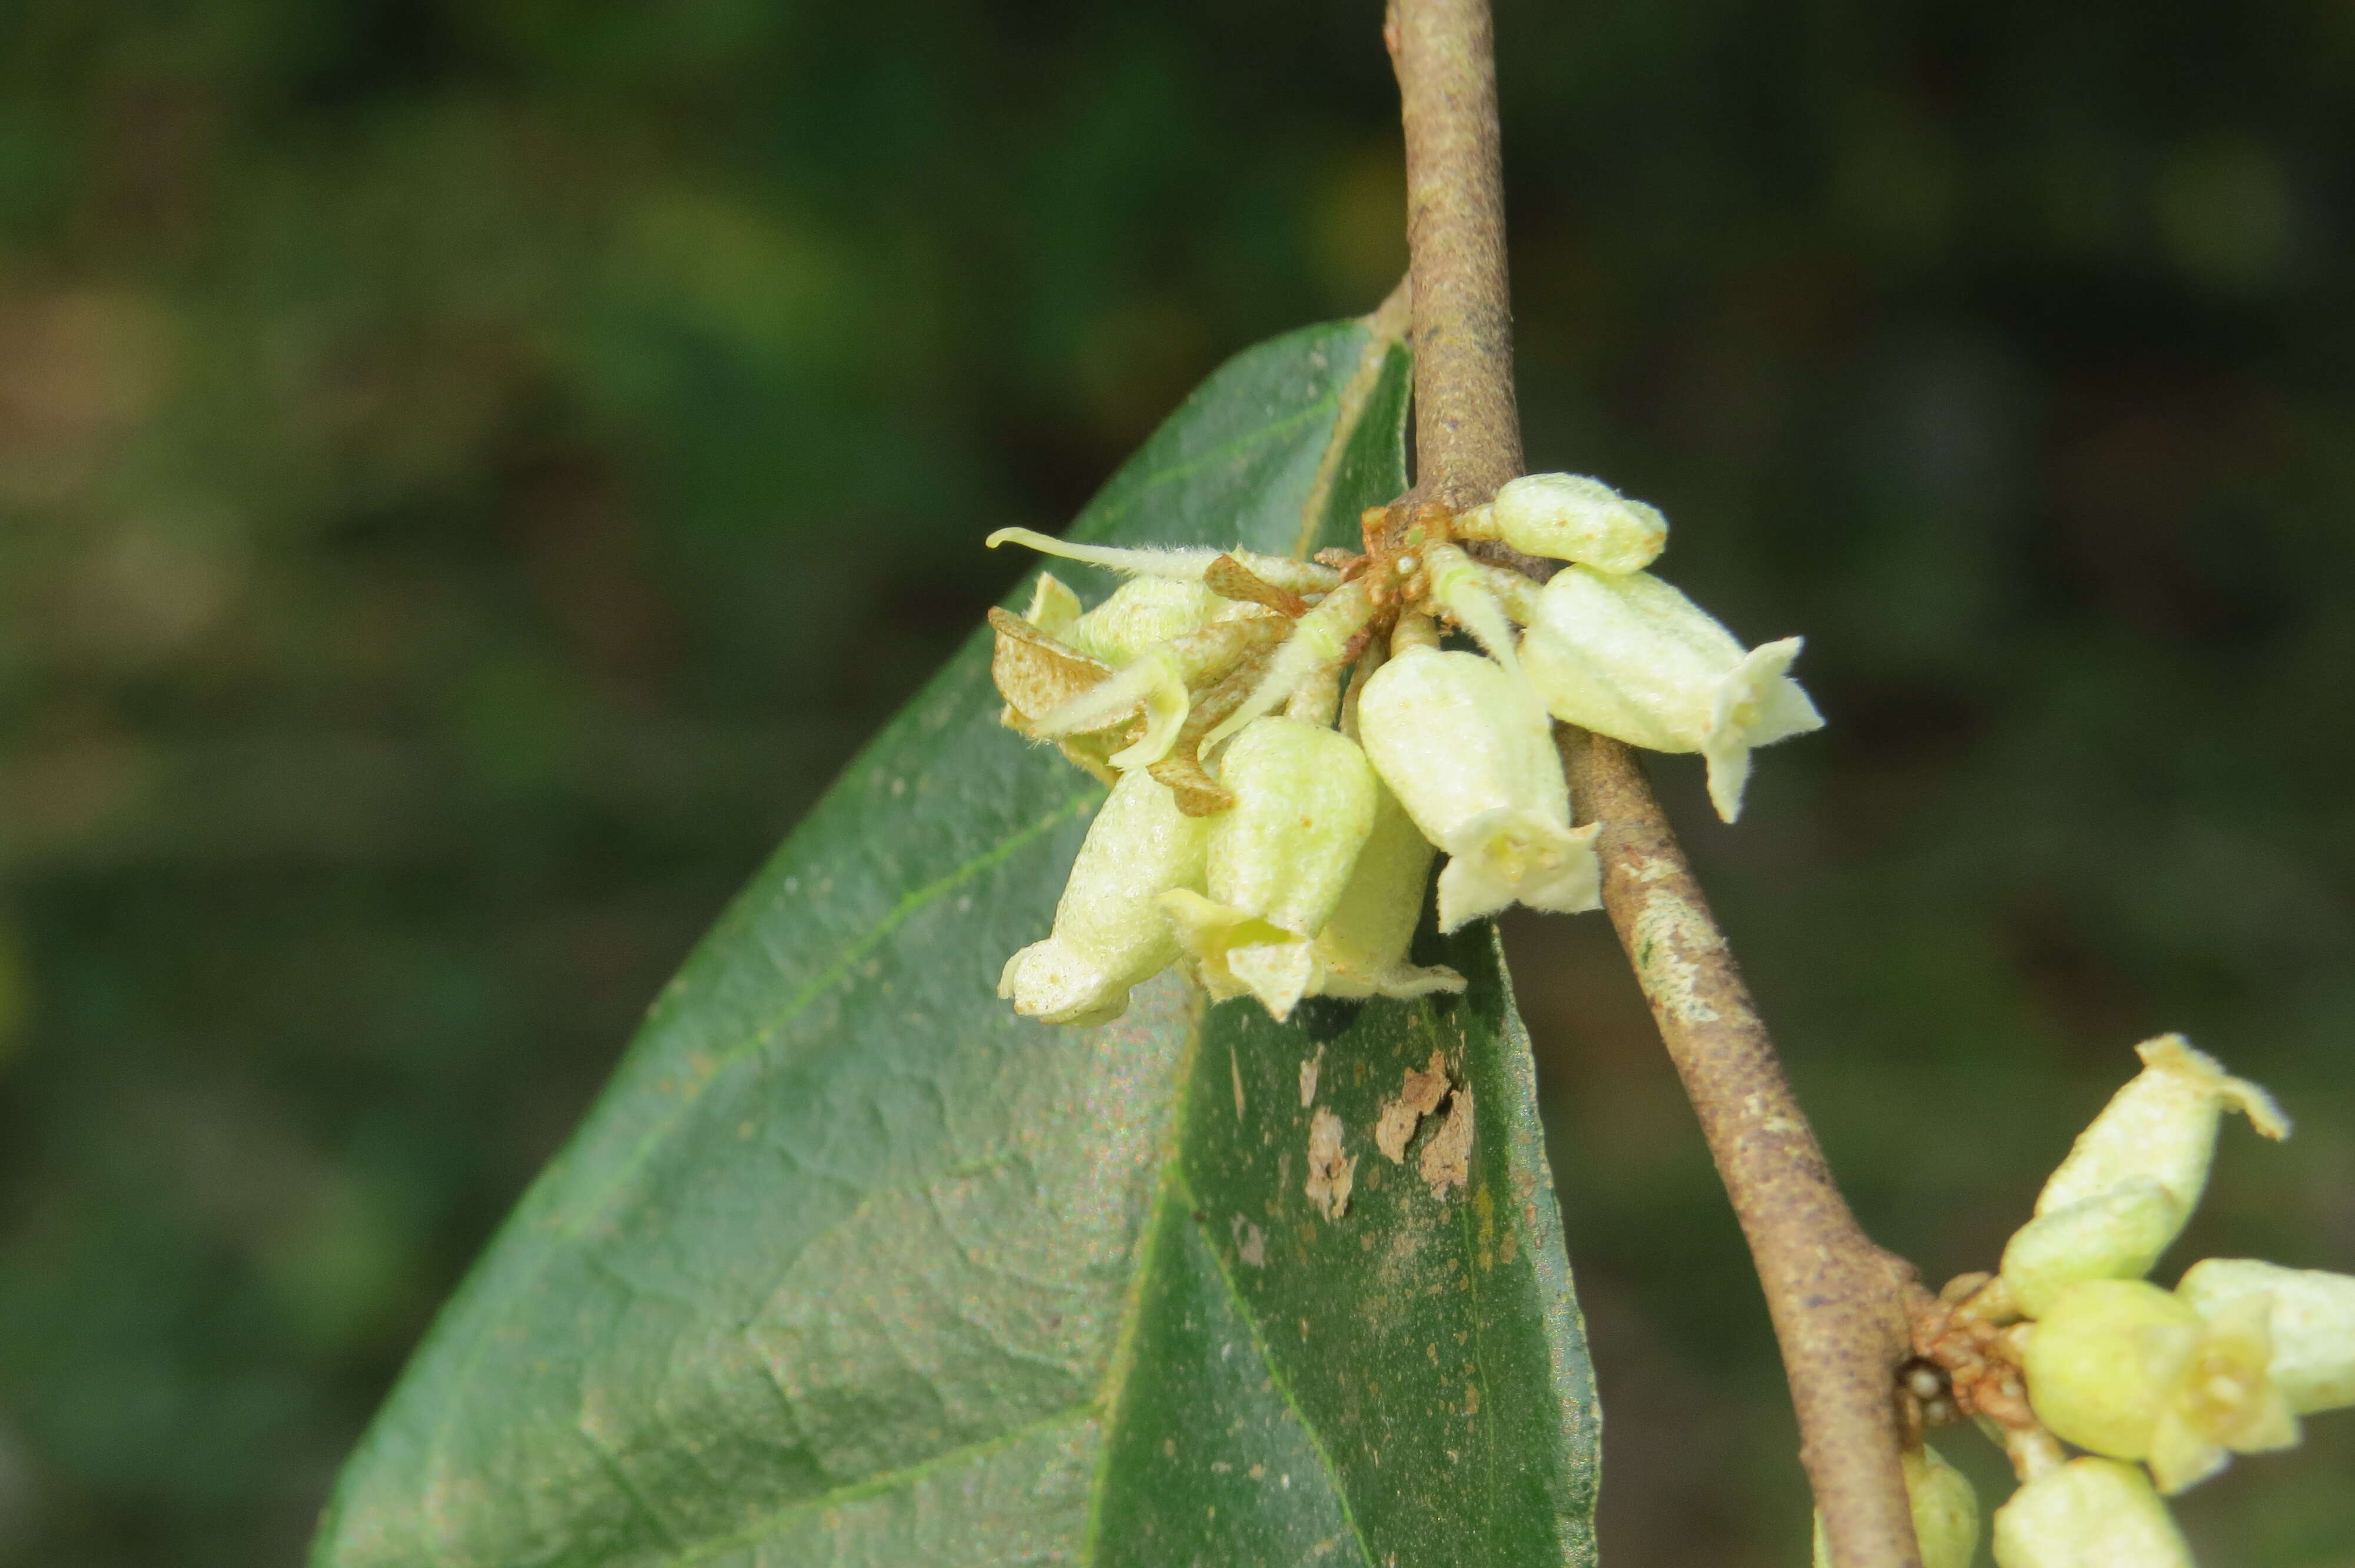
1447,1156
1418,1094
1331,1174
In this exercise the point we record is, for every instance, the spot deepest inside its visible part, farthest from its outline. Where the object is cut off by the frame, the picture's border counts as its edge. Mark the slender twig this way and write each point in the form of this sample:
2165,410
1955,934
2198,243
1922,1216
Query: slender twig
1839,1304
1468,433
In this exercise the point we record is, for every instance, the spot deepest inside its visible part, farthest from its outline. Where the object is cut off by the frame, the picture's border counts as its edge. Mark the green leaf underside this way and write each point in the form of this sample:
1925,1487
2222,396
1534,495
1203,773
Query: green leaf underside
849,1265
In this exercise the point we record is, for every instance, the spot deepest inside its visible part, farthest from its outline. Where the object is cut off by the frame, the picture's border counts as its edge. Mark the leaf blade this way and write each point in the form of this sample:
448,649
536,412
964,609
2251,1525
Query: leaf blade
842,1229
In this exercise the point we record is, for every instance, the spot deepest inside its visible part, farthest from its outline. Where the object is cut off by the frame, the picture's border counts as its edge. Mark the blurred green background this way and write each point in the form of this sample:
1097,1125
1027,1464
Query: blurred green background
471,470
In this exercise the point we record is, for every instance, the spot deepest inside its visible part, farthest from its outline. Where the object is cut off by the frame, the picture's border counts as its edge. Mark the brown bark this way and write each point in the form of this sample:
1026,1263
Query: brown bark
1468,433
1839,1304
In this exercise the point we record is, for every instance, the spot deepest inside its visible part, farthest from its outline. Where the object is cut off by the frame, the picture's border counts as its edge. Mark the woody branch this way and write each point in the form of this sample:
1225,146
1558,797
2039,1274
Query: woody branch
1839,1304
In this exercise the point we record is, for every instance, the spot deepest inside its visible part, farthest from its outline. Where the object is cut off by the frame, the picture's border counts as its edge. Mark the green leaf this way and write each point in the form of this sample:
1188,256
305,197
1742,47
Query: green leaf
851,1264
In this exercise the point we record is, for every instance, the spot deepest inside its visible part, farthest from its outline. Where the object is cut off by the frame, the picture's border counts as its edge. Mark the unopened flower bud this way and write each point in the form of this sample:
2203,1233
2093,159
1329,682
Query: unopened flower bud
2088,1514
1462,587
1473,761
2311,1323
1318,639
2161,1127
1141,614
2116,1234
1362,950
2130,1371
1110,933
1632,658
1277,861
1571,517
1945,1512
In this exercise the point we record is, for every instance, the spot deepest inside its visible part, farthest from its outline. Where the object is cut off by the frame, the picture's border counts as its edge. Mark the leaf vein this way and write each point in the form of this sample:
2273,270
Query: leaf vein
611,1464
575,1226
1283,1384
817,985
877,1485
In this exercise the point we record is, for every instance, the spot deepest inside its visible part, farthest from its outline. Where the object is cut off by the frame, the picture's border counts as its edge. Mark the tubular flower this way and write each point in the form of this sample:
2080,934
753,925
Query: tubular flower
2133,1177
1320,782
2310,1320
1632,658
1570,517
2181,1379
1361,951
1945,1512
1473,761
2130,1371
1110,933
1278,860
2116,1235
2100,1361
2226,1401
2161,1125
2088,1514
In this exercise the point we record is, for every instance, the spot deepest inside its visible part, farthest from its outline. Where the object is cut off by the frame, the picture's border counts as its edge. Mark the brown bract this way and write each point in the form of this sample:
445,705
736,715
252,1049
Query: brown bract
1229,579
1965,1335
1035,674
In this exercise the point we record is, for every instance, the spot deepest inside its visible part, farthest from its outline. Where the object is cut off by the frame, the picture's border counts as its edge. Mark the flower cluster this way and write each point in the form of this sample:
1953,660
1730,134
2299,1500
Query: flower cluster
1290,744
2070,1343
